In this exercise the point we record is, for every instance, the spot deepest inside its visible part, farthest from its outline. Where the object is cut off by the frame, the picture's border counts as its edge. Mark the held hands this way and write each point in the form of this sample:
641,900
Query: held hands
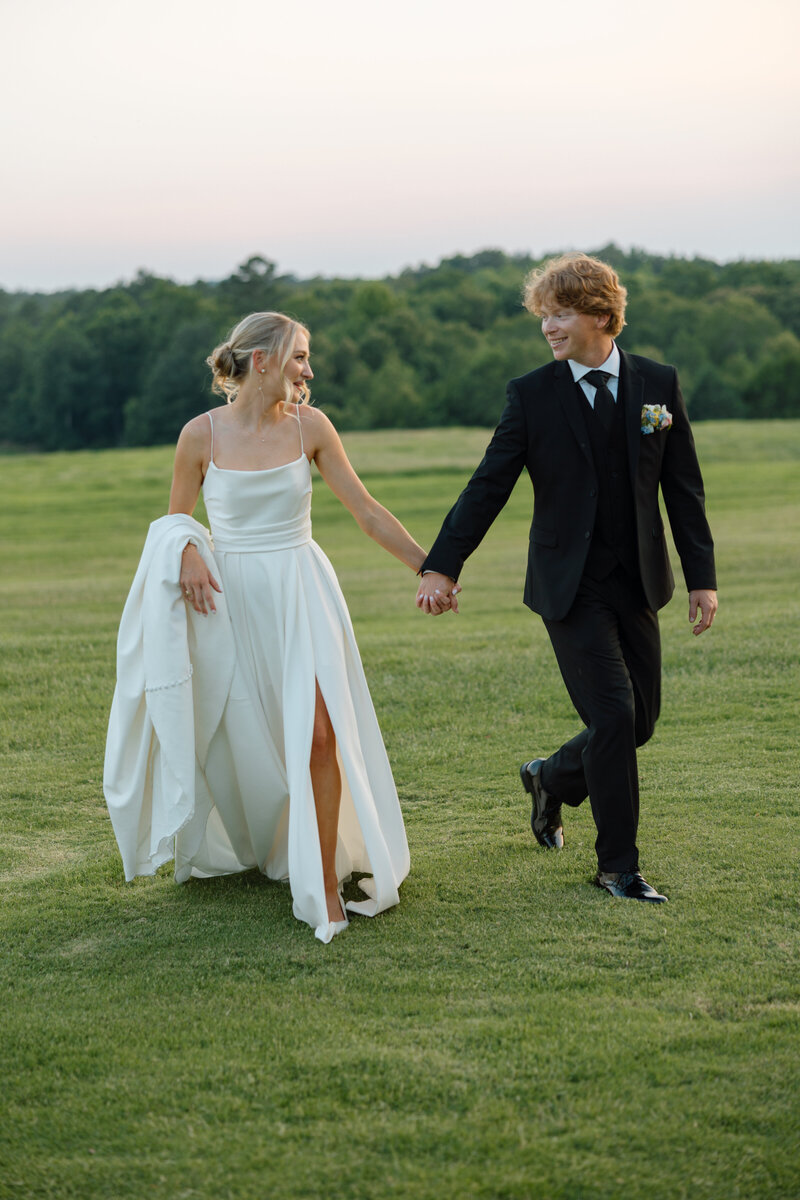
437,593
703,601
197,581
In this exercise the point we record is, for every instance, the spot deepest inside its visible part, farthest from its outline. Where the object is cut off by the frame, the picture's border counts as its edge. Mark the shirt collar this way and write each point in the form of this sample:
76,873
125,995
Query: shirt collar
611,365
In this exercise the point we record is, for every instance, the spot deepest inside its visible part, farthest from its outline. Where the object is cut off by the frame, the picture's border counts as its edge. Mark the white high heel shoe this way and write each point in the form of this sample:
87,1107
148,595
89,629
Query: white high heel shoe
326,933
338,926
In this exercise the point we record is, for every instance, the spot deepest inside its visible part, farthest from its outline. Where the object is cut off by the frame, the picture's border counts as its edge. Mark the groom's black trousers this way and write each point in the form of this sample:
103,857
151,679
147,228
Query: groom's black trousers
609,652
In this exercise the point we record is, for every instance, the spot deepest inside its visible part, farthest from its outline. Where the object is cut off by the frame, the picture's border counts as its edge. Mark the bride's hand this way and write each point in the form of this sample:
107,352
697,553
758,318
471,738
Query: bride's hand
197,583
437,594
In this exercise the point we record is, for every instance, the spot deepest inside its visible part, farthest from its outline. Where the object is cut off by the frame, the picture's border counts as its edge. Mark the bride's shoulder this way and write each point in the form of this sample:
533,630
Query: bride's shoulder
312,416
315,422
204,421
197,432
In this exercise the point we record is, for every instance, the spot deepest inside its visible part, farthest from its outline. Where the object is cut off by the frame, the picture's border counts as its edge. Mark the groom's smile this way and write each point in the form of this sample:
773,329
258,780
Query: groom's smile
577,335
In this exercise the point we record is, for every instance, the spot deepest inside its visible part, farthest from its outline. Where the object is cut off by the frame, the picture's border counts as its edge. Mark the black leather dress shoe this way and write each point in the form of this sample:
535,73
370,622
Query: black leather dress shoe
628,885
546,810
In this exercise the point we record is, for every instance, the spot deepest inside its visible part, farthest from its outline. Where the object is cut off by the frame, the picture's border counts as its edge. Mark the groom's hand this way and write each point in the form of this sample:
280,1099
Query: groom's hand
703,601
437,593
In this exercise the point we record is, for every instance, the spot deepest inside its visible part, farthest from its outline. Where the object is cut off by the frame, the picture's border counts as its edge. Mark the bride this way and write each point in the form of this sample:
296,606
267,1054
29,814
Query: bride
242,732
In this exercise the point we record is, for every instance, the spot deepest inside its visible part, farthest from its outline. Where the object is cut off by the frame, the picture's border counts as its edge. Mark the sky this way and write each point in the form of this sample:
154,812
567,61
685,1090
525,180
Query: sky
354,137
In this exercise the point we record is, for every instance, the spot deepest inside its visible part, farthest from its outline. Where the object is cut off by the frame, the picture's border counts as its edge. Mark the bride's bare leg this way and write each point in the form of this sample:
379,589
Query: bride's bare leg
326,781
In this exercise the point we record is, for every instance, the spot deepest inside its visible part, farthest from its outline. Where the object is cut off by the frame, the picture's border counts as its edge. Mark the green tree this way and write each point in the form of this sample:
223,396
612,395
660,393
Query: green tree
714,397
475,395
774,389
369,302
689,278
175,387
18,340
117,331
62,395
395,398
728,323
254,286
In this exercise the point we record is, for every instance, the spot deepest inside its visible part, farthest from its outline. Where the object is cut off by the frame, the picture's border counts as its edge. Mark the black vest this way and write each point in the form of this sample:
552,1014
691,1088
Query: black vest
614,536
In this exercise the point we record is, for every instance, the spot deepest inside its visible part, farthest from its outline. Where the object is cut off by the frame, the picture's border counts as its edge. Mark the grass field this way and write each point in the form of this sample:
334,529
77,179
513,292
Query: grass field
508,1031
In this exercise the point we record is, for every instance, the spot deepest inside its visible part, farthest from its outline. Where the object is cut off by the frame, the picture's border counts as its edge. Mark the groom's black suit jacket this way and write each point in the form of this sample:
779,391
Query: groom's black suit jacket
544,428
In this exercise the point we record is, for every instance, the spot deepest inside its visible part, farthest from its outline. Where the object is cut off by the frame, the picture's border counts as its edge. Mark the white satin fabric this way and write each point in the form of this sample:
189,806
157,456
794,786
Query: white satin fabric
210,732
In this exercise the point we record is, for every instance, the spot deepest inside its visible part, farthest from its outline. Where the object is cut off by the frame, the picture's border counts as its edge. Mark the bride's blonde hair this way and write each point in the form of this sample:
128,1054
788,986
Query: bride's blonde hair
232,361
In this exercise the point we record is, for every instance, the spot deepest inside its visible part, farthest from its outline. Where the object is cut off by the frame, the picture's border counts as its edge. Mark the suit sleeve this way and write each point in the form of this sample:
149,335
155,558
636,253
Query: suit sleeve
684,497
486,493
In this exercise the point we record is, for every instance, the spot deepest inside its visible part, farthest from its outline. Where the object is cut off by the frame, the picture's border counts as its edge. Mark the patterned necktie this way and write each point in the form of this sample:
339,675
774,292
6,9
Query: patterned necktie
604,403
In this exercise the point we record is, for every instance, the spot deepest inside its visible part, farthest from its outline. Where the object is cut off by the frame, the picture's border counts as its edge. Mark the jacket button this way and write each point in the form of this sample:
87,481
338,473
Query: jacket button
587,535
593,492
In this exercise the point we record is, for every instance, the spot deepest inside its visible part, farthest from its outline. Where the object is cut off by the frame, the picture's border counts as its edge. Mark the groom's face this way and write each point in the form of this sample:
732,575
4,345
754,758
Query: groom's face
576,335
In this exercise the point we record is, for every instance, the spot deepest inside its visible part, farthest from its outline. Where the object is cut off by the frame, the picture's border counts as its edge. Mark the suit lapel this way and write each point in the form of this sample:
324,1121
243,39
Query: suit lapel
566,392
631,386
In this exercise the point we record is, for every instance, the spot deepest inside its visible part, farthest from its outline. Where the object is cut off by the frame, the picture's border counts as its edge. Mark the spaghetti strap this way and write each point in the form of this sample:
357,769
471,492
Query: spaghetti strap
299,426
211,423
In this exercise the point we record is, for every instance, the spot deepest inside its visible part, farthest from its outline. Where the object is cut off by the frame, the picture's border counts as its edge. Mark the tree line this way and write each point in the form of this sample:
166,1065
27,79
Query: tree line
431,346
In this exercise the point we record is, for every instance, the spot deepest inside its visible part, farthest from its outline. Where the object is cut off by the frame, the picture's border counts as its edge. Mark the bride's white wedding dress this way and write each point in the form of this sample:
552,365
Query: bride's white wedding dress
252,802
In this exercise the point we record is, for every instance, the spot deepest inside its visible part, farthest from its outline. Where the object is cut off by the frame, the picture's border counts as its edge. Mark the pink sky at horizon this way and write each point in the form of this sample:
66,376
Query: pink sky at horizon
180,138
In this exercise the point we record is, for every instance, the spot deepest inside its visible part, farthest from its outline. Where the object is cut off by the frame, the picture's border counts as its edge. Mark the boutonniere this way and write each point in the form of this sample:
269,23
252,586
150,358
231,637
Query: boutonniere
655,417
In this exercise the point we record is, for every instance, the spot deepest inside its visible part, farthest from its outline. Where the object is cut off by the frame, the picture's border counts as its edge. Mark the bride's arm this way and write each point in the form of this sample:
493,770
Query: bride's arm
197,583
375,520
188,472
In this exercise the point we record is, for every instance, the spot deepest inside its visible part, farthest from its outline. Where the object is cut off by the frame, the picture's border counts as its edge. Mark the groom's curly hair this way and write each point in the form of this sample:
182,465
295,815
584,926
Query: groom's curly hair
580,282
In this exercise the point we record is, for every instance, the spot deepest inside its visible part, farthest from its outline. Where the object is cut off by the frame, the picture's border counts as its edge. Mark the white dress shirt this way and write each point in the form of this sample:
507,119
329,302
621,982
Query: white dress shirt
610,366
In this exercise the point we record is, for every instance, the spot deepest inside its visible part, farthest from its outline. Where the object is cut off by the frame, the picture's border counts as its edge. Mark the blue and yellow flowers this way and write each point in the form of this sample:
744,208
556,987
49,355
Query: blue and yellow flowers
655,417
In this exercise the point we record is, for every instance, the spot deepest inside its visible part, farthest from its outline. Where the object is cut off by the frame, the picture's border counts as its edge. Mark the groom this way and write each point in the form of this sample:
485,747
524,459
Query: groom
598,430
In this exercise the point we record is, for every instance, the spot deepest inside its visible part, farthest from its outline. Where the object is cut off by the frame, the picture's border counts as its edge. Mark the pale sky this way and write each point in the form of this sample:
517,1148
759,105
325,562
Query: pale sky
351,137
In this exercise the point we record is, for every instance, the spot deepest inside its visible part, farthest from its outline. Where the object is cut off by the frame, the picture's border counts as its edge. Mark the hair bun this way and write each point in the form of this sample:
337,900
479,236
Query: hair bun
224,360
